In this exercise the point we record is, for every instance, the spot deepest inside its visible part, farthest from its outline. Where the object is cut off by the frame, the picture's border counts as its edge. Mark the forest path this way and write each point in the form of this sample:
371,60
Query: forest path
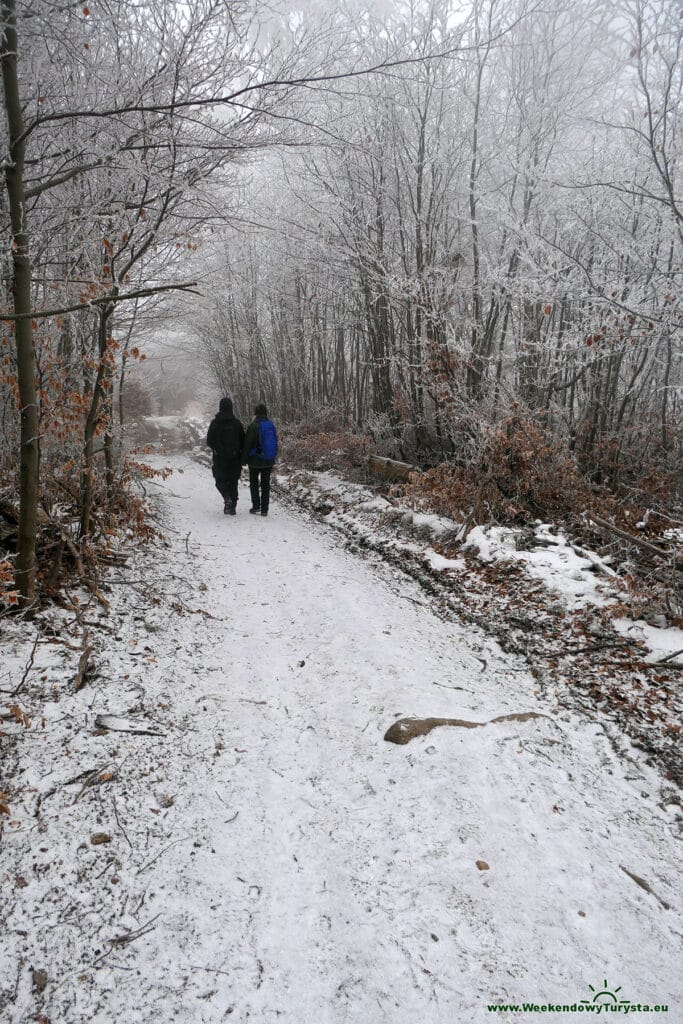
288,863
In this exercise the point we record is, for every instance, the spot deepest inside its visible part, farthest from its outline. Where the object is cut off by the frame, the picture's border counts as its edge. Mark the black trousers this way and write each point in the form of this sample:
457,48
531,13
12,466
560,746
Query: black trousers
260,499
227,476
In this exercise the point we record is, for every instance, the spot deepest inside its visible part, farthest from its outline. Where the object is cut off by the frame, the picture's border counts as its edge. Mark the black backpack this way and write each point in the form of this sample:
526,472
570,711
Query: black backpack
229,441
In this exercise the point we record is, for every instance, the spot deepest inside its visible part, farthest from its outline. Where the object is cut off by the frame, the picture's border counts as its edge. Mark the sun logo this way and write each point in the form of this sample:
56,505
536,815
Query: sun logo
604,995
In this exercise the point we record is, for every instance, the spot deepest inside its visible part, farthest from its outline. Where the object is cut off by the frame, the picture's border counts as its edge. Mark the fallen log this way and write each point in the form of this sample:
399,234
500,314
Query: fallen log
390,469
406,729
645,545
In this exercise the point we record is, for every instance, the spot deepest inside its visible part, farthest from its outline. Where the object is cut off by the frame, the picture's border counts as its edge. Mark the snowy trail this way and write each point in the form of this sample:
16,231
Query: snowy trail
307,871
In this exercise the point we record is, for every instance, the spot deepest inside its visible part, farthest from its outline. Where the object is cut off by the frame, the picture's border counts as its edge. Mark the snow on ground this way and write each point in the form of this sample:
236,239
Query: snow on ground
548,556
537,594
271,857
173,432
556,563
661,643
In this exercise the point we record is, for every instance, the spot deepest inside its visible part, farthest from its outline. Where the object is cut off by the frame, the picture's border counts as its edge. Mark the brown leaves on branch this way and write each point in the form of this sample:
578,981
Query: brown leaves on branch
63,559
519,474
333,449
16,713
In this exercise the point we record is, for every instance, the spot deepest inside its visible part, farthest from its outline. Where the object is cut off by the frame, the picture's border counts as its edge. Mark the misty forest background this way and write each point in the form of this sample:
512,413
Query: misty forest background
449,233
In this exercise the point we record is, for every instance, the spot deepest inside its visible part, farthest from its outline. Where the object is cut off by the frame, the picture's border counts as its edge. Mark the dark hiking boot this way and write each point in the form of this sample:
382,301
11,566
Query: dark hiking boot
264,513
229,509
254,511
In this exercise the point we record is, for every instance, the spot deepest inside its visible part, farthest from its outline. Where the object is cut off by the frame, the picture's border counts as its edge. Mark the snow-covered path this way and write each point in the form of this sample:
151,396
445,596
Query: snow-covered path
292,865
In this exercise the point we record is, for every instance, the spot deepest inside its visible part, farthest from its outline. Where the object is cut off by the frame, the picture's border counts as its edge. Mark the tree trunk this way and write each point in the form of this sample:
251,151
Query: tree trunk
21,290
99,396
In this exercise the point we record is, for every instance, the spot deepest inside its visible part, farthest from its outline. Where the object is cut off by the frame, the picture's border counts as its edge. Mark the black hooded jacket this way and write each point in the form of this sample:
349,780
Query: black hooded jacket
226,436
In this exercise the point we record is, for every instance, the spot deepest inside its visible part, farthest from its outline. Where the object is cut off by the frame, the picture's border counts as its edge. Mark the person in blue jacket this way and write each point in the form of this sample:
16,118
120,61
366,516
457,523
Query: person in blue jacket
259,453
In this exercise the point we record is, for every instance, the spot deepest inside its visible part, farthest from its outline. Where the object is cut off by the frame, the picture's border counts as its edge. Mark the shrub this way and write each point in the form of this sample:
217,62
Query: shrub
519,473
335,449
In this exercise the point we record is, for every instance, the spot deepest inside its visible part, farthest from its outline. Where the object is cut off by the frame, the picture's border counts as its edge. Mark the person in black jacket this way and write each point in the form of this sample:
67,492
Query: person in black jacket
260,460
226,439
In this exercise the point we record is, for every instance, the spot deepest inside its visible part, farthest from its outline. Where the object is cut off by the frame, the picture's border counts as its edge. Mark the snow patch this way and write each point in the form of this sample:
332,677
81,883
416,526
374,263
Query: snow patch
555,562
660,642
438,562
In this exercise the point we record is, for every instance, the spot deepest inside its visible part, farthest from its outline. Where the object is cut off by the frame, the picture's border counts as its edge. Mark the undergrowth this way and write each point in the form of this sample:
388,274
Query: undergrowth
62,557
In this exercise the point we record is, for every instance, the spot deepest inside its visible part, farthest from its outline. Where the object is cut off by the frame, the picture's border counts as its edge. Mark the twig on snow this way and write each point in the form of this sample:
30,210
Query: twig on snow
123,940
28,668
646,886
603,645
669,657
96,778
115,723
149,863
110,861
118,822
